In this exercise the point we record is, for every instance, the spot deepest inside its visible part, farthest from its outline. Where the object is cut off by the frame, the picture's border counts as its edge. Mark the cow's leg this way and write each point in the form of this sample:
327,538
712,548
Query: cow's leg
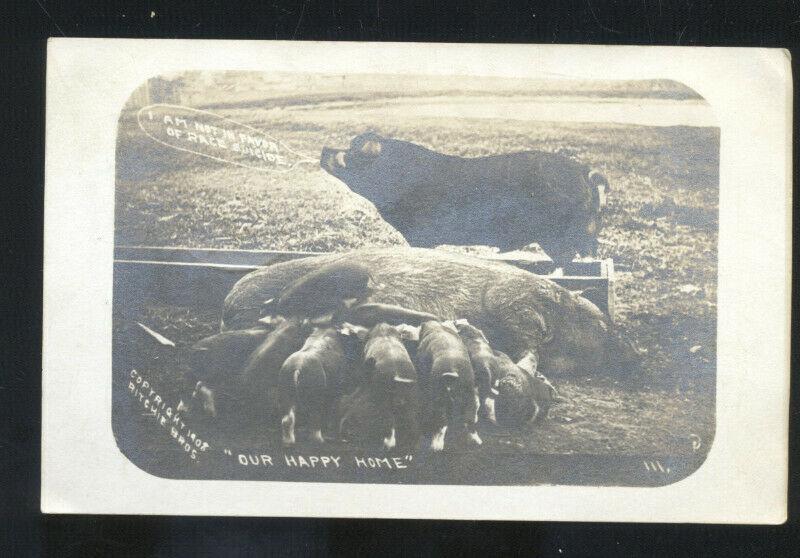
561,251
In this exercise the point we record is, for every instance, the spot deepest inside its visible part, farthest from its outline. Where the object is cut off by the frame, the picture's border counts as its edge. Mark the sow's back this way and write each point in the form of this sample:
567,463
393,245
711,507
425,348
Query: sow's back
518,311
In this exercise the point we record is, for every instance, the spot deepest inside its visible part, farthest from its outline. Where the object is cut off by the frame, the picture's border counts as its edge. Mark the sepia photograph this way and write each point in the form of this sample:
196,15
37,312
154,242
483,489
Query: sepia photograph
415,279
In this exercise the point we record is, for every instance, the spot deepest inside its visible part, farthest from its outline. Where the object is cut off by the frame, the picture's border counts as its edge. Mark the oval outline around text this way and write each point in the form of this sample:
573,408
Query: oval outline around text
300,158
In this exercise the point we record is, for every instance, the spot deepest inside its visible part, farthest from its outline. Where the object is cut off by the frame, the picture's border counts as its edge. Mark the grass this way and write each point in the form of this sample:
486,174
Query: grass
660,229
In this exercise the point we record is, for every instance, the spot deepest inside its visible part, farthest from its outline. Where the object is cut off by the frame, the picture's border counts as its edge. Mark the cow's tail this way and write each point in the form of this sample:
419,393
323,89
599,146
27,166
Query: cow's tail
600,189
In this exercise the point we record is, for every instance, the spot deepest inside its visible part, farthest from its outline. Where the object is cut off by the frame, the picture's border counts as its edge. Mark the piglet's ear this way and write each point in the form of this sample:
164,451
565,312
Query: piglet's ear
408,332
361,332
347,328
450,325
272,320
325,320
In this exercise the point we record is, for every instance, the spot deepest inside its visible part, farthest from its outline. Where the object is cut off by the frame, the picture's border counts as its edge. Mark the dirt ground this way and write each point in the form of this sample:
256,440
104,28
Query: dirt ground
660,228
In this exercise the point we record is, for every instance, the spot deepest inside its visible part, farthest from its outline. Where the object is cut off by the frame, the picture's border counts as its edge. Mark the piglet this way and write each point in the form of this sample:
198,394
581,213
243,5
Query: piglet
388,394
444,361
311,381
216,364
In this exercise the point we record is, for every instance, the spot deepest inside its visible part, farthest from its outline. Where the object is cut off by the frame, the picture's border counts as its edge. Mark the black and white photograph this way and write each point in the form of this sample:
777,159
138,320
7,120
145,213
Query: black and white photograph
430,276
415,279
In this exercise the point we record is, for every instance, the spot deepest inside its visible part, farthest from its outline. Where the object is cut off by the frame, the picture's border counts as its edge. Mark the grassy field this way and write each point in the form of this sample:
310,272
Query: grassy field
660,229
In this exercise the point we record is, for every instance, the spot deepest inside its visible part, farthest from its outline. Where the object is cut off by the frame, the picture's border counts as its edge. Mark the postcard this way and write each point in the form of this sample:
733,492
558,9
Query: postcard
443,281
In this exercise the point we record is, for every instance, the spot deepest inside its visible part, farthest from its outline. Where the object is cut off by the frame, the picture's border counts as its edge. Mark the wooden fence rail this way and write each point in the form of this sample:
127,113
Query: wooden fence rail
193,276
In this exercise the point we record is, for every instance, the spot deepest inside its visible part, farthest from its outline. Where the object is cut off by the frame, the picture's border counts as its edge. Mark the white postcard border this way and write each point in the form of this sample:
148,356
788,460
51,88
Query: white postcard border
744,479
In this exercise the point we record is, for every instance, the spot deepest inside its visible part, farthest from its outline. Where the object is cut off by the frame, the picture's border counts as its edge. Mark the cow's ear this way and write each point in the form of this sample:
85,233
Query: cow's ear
371,148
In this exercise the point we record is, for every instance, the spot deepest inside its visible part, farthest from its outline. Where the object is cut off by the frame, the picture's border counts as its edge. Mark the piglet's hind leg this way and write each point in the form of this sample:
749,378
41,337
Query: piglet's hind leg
390,441
287,428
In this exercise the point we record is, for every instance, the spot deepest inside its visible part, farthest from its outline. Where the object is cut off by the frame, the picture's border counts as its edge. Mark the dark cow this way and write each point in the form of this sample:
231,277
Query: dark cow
389,388
507,201
516,310
443,362
311,381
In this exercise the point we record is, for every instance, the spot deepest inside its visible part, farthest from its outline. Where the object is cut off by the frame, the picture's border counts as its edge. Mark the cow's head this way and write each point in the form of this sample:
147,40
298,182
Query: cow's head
346,163
377,168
